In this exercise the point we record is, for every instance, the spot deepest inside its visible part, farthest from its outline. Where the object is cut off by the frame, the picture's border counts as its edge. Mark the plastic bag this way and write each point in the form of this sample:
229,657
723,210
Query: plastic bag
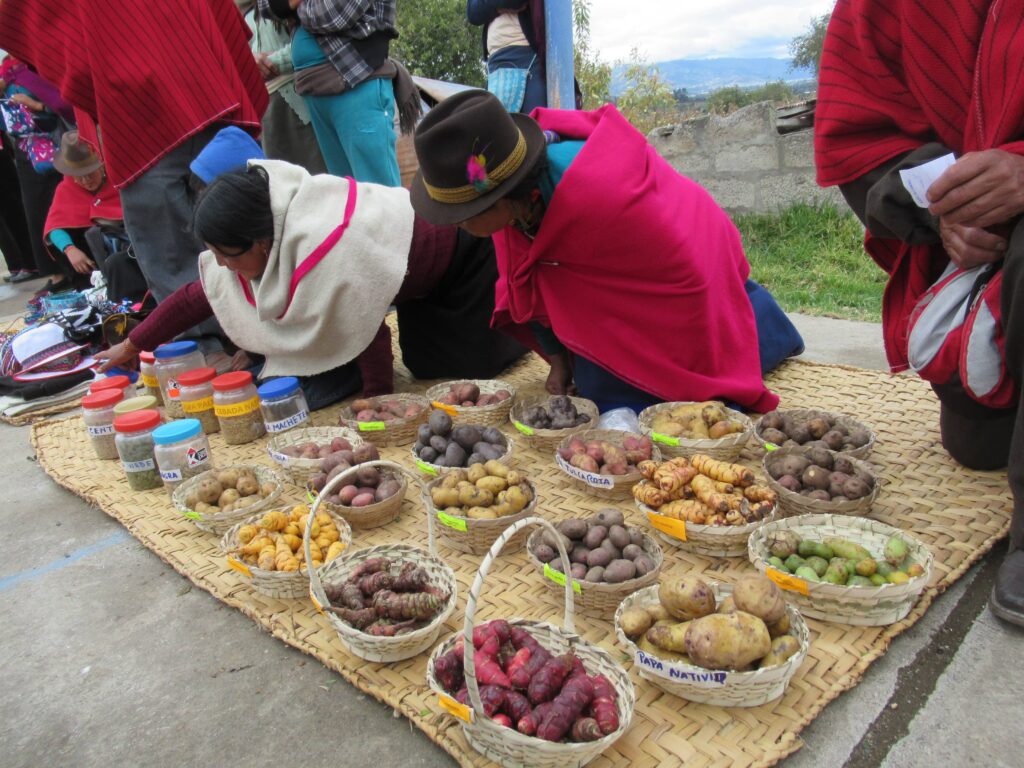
622,419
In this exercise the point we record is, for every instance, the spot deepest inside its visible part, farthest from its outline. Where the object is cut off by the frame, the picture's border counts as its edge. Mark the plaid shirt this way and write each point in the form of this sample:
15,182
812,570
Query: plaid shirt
335,23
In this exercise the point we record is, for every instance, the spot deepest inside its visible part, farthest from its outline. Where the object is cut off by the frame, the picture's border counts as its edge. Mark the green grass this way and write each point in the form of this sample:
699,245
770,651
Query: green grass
812,259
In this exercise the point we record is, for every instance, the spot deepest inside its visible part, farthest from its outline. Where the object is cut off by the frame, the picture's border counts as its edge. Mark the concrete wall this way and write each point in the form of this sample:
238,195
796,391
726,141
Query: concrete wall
743,161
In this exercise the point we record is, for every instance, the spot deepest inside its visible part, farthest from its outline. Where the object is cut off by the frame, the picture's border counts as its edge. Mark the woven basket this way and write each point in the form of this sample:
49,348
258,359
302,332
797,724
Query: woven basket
599,598
507,746
388,433
361,644
298,471
603,486
372,515
435,470
467,534
718,688
842,418
792,503
493,415
276,583
726,448
547,440
710,540
862,606
220,522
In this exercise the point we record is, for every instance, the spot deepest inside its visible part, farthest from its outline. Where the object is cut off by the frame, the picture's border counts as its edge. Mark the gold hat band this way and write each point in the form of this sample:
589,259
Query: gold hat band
466,193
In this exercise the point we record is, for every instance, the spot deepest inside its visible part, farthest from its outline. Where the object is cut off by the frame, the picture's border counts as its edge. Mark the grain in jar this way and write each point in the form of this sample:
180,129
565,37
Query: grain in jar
98,417
195,393
134,442
283,404
181,451
172,360
147,375
237,406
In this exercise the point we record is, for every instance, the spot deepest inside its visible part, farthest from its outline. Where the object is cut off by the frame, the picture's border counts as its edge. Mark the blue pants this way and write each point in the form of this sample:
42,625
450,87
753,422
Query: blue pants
356,132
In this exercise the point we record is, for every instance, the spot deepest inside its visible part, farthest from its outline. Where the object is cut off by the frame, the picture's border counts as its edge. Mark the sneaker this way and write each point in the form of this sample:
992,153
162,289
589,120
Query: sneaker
24,275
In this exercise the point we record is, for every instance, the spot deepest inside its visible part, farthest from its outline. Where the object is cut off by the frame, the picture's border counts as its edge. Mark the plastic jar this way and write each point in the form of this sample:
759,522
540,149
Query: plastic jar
148,377
195,393
121,383
237,406
181,451
98,415
172,360
138,403
135,447
283,404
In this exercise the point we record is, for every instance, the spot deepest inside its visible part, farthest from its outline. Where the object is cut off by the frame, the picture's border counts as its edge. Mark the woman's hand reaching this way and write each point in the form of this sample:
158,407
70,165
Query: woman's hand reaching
559,381
116,356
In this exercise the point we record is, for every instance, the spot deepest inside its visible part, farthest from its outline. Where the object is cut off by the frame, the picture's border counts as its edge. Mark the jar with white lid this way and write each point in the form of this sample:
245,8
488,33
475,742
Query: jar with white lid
135,447
148,377
172,360
98,416
195,393
283,404
237,406
181,450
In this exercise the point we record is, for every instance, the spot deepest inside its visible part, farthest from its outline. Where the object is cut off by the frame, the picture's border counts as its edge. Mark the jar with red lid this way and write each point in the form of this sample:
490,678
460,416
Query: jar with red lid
98,416
119,382
237,405
195,393
172,360
134,440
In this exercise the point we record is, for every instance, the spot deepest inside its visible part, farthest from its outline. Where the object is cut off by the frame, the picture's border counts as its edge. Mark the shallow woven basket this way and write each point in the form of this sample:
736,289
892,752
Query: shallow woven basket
467,534
862,606
547,440
276,583
220,522
493,415
506,746
372,515
792,503
603,486
726,448
710,540
388,433
435,470
363,645
718,688
600,598
298,471
842,418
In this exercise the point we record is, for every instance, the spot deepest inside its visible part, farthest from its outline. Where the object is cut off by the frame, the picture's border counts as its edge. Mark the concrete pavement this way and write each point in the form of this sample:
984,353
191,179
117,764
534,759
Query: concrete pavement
114,659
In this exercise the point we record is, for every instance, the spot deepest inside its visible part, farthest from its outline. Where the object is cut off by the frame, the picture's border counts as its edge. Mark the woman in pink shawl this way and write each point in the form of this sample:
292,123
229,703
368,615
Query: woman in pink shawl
625,275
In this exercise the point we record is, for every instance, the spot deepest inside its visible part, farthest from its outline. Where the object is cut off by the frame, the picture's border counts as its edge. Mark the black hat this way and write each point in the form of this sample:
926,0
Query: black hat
471,153
76,157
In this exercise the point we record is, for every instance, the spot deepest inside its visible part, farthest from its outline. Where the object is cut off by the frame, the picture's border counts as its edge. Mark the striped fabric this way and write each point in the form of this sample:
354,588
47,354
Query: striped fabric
152,72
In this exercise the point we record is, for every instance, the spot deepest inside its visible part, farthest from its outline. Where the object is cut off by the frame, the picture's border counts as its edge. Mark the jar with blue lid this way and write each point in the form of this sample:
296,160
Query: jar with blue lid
181,450
172,360
283,404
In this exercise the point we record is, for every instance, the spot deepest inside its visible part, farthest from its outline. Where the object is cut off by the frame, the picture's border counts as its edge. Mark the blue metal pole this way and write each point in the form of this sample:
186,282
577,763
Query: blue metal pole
558,26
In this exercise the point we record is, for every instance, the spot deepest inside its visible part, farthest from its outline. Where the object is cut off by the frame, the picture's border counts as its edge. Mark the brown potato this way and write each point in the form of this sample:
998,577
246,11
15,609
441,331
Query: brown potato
759,597
727,640
686,597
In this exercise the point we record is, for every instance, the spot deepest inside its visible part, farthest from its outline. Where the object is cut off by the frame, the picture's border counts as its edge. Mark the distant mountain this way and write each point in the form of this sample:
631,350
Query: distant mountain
701,76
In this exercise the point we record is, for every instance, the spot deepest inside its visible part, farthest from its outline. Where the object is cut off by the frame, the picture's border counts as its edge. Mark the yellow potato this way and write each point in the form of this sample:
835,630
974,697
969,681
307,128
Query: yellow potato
475,473
472,496
481,513
496,468
493,484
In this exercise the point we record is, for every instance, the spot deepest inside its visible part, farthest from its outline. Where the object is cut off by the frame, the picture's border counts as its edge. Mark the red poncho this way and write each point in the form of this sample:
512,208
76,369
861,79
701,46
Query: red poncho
637,269
896,74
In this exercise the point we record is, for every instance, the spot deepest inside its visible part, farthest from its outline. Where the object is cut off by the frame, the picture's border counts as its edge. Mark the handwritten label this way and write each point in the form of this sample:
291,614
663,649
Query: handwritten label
591,479
201,405
170,475
372,426
664,439
522,428
285,424
787,581
669,671
452,707
451,410
559,579
674,528
237,409
242,568
150,381
452,522
426,467
138,466
280,458
316,603
106,429
919,178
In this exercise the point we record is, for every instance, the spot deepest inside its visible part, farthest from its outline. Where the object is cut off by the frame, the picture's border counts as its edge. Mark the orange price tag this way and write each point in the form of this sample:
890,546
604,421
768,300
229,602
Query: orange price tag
452,707
451,410
674,528
787,581
242,568
316,603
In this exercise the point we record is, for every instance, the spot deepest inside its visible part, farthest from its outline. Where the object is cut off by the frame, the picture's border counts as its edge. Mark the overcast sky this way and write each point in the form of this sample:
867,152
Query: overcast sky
684,29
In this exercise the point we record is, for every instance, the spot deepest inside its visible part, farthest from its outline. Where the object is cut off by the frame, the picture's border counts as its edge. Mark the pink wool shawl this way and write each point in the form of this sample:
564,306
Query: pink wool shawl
637,269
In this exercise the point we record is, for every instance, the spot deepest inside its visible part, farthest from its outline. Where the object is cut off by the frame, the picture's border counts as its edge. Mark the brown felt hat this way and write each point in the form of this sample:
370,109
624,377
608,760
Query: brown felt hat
471,153
76,157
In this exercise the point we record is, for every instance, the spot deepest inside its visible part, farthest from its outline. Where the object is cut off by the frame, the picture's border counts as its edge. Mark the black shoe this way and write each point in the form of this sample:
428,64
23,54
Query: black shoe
50,288
1007,599
24,276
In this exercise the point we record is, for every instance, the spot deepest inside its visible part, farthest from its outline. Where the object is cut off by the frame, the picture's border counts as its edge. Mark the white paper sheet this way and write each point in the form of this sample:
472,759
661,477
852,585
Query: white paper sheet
918,179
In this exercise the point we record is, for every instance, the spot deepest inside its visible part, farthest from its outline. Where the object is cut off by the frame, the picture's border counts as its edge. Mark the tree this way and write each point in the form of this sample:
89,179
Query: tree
647,100
435,40
594,76
806,48
726,100
777,91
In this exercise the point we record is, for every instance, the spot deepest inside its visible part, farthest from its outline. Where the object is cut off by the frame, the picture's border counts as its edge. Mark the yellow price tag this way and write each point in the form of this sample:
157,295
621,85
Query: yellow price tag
242,568
372,426
787,581
426,467
451,410
452,707
522,428
236,409
664,439
316,603
674,528
150,381
452,522
559,579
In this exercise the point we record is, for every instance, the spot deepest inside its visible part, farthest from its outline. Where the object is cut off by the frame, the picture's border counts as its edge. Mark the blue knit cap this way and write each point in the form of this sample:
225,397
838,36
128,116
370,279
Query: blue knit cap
230,150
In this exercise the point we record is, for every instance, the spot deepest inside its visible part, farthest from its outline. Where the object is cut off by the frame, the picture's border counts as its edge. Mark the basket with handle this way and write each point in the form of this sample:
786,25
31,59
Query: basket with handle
372,515
506,746
471,535
299,470
721,688
219,522
547,440
850,423
362,644
726,448
493,415
276,583
861,606
792,503
603,486
388,433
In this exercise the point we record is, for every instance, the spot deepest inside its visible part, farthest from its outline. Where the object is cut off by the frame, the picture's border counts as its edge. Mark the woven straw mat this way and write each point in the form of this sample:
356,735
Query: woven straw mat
959,514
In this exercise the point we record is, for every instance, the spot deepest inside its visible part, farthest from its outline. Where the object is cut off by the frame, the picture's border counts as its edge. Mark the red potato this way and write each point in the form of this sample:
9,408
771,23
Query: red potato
367,415
502,395
347,494
340,444
577,446
363,500
412,411
585,462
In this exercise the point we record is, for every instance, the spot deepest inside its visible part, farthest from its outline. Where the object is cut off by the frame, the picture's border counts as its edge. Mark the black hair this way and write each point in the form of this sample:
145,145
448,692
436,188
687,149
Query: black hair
234,210
523,192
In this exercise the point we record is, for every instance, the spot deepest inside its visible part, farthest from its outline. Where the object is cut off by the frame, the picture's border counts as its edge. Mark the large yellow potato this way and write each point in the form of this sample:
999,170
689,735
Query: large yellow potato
686,597
727,640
